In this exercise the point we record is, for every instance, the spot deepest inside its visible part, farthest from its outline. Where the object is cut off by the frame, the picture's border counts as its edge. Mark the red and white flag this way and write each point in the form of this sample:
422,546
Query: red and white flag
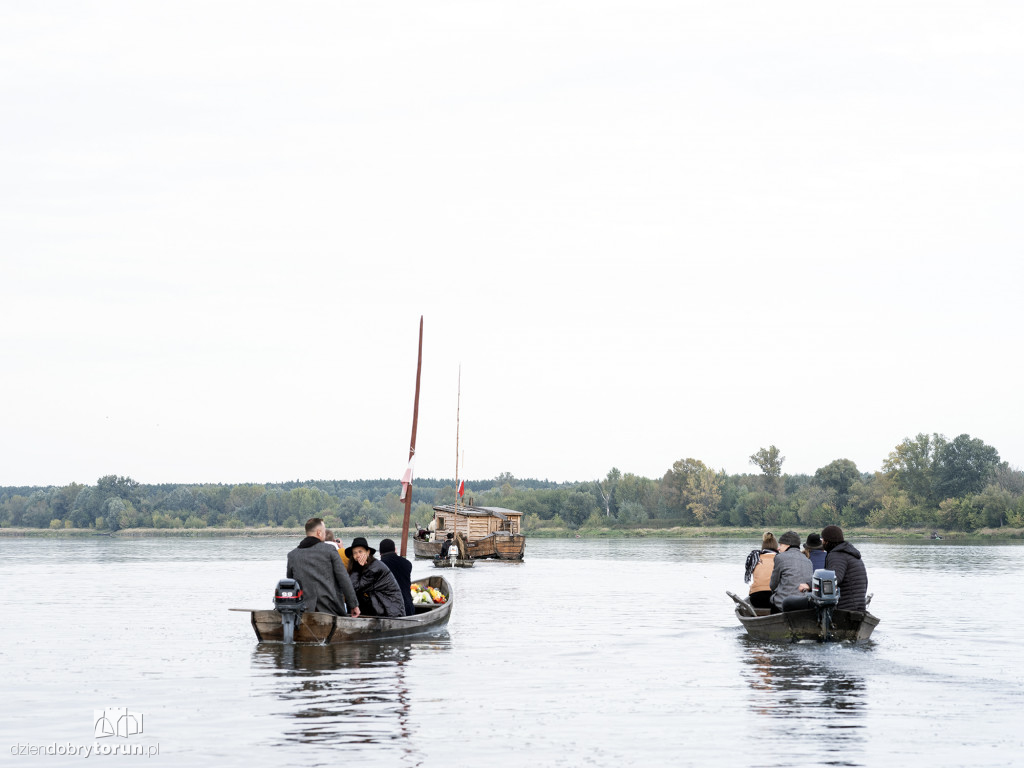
407,478
462,487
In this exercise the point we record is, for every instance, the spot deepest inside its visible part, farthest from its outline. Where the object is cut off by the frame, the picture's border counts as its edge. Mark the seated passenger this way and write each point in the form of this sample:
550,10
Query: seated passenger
317,567
758,573
814,550
401,569
329,538
449,540
851,576
791,569
376,589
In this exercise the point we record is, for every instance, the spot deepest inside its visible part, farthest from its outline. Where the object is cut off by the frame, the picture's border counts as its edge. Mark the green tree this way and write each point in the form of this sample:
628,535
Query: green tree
85,508
14,509
839,476
963,467
769,460
758,508
242,496
911,466
607,488
896,511
705,493
577,507
818,508
37,511
631,512
637,490
676,486
112,486
993,507
955,515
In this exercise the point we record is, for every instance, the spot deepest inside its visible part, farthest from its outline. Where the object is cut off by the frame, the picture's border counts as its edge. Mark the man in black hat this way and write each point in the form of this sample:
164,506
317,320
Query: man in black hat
815,551
317,566
375,586
401,569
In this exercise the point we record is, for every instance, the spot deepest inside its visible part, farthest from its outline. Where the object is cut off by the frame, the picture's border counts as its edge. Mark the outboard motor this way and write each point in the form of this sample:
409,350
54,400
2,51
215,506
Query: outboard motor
289,602
824,598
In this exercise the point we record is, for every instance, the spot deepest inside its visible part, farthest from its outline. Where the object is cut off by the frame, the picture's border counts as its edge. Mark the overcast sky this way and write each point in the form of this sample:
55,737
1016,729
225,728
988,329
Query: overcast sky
647,230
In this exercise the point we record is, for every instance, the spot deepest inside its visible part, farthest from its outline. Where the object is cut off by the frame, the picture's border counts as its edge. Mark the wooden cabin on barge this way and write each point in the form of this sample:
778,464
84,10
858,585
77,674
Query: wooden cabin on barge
493,532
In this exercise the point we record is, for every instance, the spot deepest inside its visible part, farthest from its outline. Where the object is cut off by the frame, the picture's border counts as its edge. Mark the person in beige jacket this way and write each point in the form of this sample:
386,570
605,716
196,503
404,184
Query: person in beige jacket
760,563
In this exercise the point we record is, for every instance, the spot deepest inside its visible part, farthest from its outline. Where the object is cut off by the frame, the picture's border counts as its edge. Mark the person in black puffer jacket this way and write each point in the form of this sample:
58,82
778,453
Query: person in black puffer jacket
375,586
851,575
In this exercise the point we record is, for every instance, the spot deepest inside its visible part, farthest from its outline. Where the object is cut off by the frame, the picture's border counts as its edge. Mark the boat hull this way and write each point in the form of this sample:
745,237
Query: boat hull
847,626
328,629
497,546
457,563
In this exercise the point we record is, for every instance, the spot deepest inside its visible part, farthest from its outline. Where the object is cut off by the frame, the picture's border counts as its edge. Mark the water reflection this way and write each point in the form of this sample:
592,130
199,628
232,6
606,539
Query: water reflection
345,695
810,687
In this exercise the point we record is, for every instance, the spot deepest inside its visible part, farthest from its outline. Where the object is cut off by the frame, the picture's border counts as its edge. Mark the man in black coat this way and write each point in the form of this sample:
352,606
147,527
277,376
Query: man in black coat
401,569
851,575
317,567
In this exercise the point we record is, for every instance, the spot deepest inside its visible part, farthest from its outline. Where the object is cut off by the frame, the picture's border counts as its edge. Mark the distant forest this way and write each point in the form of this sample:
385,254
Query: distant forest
926,481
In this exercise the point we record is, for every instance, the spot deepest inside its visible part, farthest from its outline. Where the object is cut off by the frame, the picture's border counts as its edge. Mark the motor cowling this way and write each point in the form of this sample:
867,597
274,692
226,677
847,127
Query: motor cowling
824,588
288,596
290,603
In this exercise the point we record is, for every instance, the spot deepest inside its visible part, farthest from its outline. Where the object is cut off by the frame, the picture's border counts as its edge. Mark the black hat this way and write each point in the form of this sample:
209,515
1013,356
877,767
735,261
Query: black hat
450,536
359,541
790,538
833,534
386,545
813,541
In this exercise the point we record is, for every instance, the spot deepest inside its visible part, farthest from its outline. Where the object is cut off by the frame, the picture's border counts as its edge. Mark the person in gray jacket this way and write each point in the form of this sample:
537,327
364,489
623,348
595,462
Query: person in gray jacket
317,566
792,568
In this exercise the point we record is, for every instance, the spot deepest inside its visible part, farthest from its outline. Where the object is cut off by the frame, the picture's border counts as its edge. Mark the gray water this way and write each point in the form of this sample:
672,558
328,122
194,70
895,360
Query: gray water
600,653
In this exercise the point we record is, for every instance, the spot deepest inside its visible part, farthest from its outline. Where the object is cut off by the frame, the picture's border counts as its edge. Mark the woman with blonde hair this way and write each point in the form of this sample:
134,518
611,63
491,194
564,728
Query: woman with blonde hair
758,571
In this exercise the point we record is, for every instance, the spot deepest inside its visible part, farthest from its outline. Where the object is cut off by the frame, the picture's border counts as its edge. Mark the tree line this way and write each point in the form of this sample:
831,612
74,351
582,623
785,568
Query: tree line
926,481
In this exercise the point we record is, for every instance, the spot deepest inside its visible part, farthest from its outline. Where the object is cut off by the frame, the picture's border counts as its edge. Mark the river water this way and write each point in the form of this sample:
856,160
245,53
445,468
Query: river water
591,652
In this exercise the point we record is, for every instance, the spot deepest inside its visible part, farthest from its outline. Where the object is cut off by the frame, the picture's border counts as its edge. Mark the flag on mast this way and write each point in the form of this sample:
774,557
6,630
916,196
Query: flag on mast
407,478
462,488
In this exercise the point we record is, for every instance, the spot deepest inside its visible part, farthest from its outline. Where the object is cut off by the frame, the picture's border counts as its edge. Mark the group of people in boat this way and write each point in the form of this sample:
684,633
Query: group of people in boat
780,572
350,581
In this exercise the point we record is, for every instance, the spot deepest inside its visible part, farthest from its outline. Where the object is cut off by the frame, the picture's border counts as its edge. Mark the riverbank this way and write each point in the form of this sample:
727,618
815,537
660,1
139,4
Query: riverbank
346,534
714,532
190,533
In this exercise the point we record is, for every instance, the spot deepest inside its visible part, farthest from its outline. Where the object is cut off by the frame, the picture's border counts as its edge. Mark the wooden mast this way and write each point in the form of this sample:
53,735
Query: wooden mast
412,443
458,404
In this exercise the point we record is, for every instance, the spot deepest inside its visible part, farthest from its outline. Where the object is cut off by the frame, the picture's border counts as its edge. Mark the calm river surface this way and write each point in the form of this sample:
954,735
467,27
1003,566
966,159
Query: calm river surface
600,653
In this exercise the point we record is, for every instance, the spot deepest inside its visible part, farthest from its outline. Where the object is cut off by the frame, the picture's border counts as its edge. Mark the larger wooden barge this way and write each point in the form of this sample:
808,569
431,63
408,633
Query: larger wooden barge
490,532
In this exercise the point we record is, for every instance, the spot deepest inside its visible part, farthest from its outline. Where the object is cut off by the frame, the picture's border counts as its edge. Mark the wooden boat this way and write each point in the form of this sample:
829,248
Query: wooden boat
328,629
491,532
459,562
792,626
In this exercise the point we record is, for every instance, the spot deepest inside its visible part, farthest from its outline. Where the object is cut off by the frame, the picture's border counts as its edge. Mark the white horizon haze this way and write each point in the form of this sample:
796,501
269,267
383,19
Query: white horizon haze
646,231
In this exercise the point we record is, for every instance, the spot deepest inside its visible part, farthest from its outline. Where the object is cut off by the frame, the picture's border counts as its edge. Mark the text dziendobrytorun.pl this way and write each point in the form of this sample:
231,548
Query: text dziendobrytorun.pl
85,750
